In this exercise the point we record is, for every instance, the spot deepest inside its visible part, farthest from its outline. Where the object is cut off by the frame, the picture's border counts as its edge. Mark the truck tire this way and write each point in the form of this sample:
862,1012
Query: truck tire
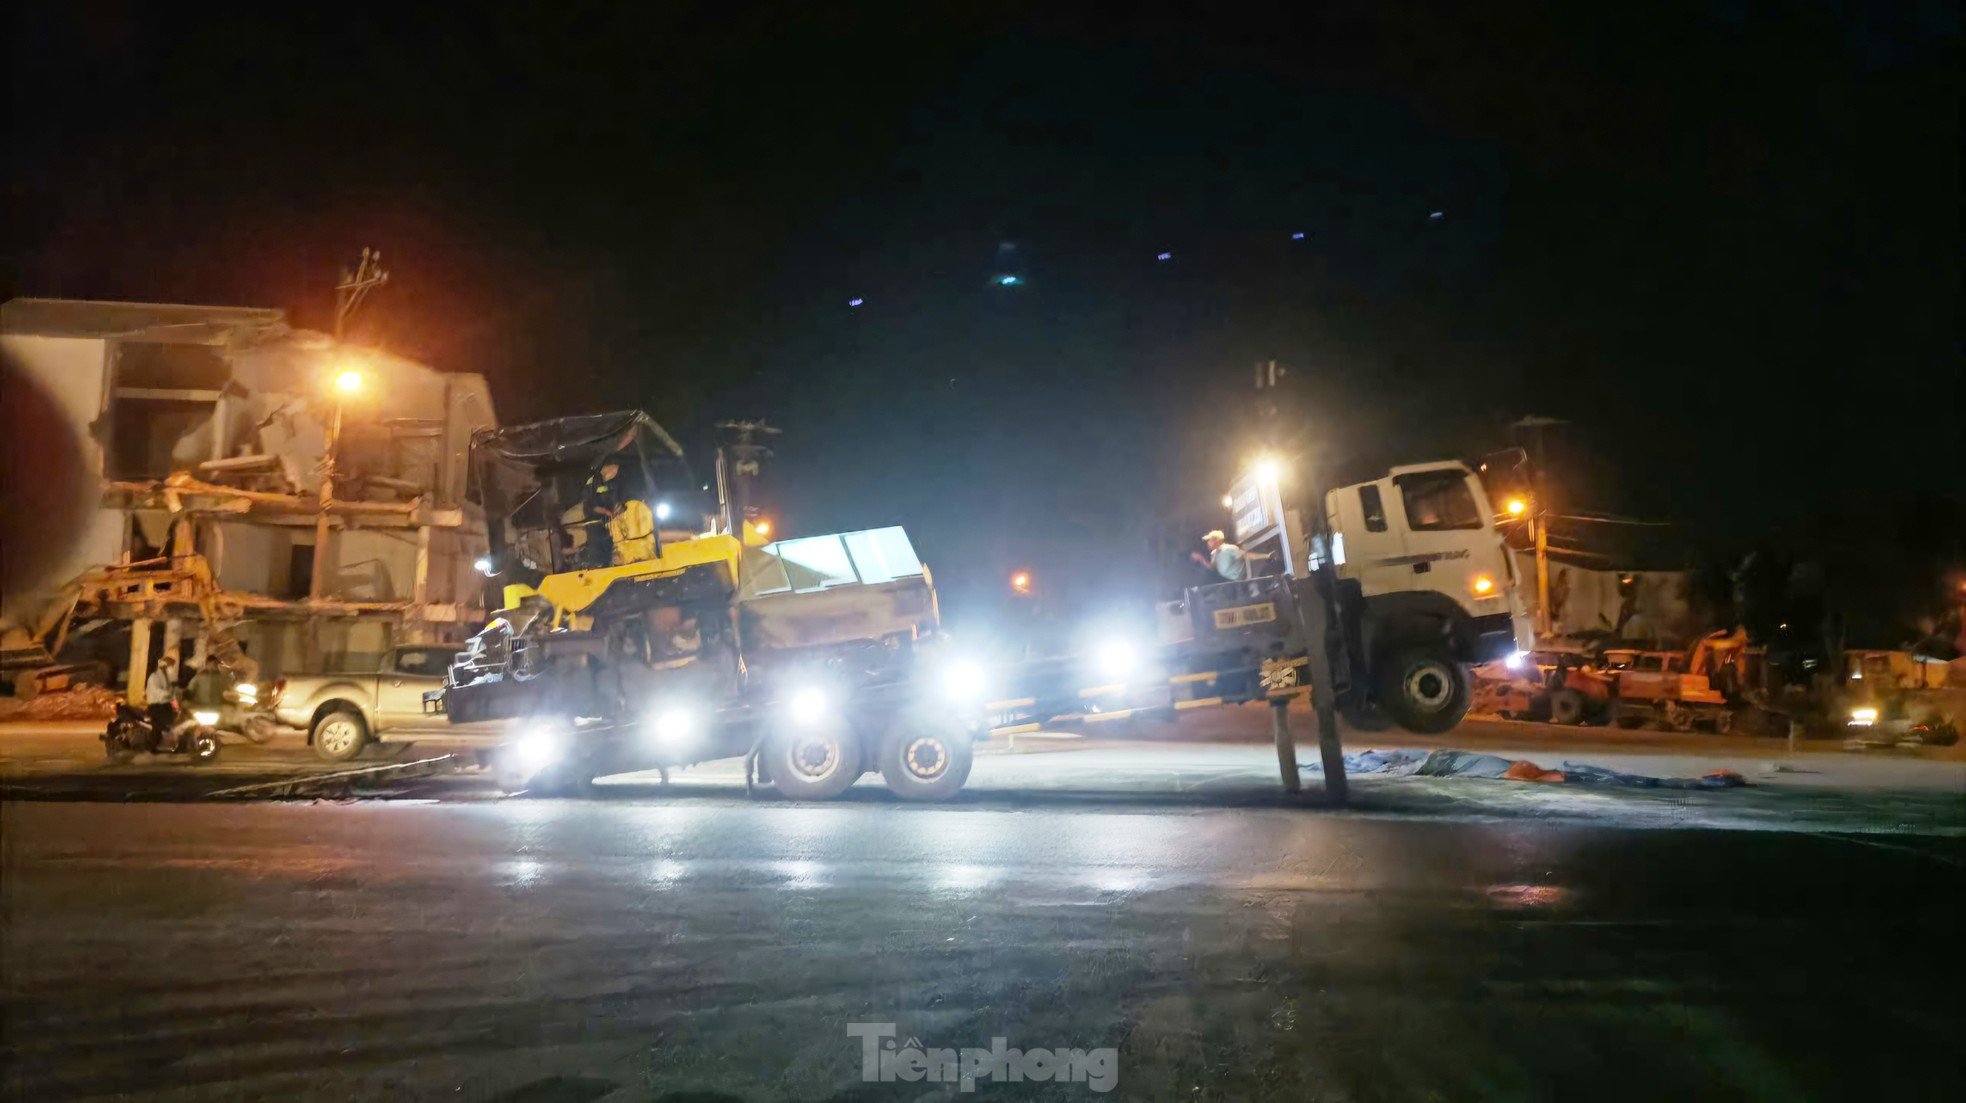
926,758
340,735
1423,689
562,779
1364,716
813,762
1567,706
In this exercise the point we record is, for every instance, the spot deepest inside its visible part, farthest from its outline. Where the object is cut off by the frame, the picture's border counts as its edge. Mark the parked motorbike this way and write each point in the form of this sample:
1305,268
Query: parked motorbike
194,733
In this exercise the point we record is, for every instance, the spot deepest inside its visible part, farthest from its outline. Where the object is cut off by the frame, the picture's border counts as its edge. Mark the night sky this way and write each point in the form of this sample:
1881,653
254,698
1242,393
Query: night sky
1722,240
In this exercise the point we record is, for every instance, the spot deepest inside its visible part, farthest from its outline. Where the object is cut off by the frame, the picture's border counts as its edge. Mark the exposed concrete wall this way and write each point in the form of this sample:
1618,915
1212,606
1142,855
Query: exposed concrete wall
1585,601
53,390
374,565
257,559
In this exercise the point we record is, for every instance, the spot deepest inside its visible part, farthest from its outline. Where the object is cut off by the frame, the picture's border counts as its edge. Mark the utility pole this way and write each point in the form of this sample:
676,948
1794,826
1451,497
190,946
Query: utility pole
1539,518
355,286
1274,410
348,295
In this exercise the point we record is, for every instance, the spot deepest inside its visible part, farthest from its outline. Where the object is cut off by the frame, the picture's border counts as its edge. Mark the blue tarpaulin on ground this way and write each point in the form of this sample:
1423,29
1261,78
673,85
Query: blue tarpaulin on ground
1451,763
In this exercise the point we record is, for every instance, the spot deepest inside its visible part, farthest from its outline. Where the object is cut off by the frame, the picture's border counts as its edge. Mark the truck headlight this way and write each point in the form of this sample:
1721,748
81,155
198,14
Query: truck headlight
205,717
808,705
539,747
1863,718
963,681
1115,659
675,724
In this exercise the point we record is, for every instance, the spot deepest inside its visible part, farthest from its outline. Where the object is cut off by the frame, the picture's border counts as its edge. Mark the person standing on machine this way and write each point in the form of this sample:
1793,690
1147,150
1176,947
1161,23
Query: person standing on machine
600,502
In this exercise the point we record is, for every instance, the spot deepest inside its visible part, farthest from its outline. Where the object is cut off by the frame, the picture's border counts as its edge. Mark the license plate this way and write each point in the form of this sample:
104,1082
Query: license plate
1242,615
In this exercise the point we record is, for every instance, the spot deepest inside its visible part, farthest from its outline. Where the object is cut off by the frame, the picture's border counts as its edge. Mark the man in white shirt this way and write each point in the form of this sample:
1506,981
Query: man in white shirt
1224,558
160,695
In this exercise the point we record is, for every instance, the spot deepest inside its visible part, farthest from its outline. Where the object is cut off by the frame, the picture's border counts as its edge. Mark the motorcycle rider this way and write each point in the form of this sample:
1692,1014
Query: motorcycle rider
160,699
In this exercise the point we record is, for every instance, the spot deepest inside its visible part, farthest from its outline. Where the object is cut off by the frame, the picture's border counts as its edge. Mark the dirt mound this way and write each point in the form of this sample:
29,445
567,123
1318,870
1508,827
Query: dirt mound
80,703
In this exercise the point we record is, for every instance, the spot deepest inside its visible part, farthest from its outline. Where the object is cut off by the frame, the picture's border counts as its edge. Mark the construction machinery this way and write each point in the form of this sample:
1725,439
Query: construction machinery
802,653
822,658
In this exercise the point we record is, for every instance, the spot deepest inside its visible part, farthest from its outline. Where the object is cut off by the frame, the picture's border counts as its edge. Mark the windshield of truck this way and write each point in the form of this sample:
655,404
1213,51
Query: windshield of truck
1439,500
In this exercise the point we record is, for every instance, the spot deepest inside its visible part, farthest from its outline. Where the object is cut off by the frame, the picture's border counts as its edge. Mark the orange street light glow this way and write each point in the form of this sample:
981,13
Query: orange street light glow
1517,507
348,381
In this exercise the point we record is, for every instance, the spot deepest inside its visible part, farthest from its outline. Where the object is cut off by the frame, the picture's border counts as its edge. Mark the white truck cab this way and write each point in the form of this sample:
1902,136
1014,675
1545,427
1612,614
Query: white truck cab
1421,584
1422,539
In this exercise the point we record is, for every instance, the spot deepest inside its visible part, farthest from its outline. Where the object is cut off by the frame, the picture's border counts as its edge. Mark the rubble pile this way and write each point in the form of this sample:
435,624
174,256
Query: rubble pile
80,703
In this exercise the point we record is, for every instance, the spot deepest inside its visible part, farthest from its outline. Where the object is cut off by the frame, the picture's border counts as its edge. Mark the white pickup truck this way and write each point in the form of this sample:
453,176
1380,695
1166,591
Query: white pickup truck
344,712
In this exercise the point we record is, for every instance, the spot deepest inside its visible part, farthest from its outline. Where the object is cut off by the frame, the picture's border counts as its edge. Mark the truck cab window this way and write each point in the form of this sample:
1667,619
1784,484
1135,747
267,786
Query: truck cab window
1374,509
423,660
1438,500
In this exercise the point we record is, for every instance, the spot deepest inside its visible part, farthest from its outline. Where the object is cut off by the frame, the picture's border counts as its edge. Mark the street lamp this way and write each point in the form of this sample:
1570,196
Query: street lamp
349,381
1020,583
1517,507
1268,470
1228,501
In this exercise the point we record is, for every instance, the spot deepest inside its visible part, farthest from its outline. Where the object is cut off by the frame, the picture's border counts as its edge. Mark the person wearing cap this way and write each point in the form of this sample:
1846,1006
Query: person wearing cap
1224,558
160,696
600,503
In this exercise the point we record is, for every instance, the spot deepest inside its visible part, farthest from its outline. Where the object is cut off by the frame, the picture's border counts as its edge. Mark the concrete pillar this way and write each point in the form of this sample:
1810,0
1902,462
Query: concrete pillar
201,645
174,639
139,660
420,585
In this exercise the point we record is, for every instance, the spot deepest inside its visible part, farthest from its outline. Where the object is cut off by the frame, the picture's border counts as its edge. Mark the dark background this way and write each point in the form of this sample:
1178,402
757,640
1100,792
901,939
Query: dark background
1720,239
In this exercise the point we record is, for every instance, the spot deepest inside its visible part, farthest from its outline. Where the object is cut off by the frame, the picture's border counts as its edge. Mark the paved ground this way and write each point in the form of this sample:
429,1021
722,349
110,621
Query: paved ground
1443,938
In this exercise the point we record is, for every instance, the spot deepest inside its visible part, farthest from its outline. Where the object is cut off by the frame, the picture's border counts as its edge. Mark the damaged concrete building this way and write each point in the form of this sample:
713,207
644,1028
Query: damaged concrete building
177,496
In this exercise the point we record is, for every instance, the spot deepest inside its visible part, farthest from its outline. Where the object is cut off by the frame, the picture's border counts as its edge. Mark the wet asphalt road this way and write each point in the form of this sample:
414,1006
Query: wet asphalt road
640,948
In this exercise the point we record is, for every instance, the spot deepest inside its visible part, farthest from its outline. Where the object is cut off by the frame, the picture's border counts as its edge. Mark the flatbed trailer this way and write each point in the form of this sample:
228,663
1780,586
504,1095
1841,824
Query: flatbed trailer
930,761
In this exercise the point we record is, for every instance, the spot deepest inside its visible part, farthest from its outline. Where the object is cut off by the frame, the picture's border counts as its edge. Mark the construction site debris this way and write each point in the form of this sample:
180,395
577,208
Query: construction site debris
1451,763
80,703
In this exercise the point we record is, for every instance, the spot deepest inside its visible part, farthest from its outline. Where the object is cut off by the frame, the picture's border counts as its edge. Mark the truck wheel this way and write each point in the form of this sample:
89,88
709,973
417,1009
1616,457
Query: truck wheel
1364,716
926,758
340,735
1424,689
813,762
560,780
1566,707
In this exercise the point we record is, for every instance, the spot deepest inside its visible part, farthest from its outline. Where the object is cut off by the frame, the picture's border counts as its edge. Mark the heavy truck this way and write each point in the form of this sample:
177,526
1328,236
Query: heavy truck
821,659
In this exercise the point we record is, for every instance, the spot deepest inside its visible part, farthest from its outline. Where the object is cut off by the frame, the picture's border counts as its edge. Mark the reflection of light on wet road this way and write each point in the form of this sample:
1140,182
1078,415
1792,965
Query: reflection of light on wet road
802,875
1528,897
964,878
1120,880
521,871
659,827
666,872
